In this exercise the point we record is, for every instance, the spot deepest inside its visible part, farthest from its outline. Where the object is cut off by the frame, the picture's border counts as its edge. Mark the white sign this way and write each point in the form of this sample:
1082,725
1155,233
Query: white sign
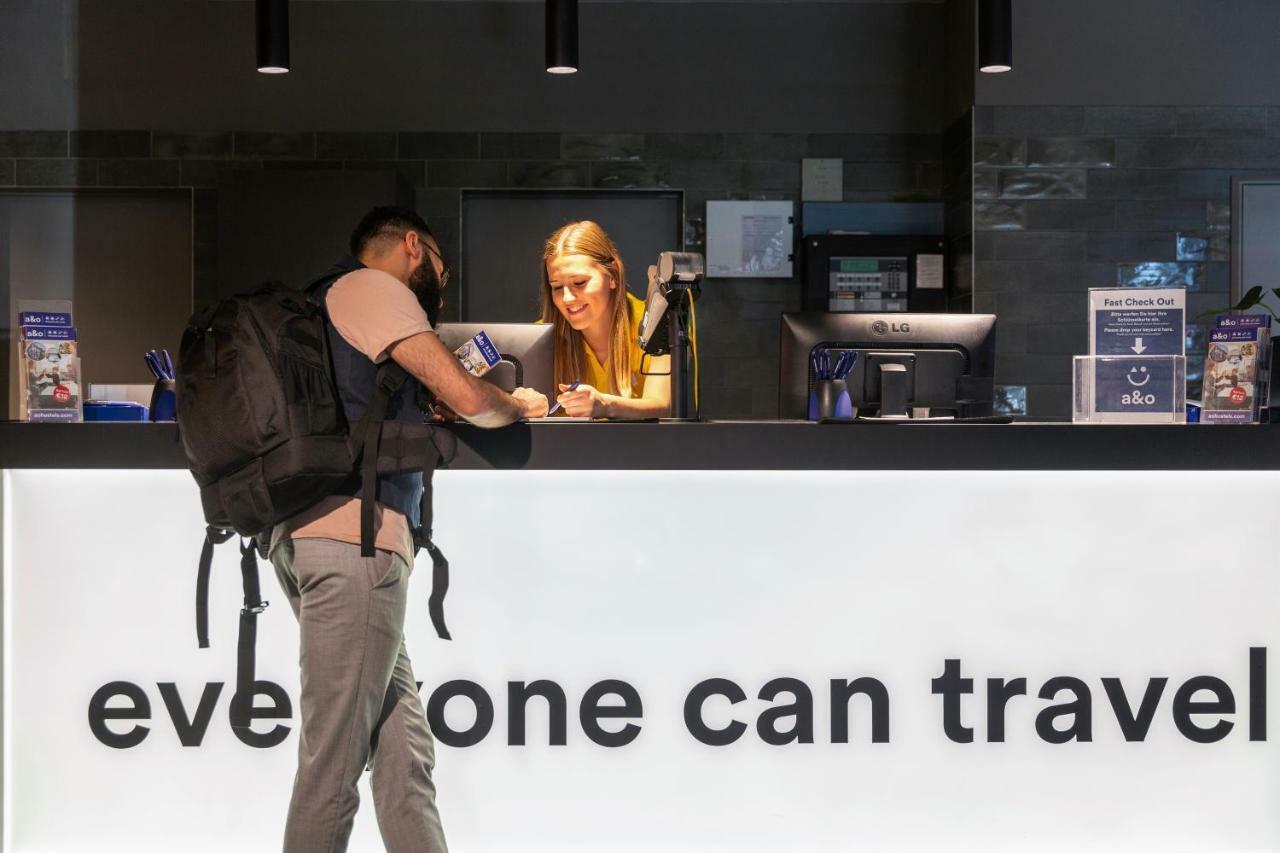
818,661
750,239
822,179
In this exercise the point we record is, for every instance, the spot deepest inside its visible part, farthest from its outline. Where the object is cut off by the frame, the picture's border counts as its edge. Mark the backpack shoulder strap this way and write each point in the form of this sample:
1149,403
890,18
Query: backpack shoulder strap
365,437
212,536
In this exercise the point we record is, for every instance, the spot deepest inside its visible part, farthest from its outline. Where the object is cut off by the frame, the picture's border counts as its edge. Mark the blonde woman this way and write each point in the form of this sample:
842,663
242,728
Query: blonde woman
584,295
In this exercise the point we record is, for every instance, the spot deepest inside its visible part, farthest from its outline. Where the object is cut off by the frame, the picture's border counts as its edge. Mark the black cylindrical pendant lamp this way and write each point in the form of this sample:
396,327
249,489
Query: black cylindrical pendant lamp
995,36
273,36
562,36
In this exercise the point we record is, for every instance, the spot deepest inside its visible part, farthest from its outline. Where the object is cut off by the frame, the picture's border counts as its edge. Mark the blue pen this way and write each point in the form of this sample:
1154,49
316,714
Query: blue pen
556,407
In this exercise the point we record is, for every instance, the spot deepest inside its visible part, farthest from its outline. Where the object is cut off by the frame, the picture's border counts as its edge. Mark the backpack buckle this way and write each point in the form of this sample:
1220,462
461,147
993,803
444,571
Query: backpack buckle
254,609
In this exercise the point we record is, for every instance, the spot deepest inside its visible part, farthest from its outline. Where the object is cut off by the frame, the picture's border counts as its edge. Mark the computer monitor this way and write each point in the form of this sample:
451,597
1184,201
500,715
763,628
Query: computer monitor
906,363
527,352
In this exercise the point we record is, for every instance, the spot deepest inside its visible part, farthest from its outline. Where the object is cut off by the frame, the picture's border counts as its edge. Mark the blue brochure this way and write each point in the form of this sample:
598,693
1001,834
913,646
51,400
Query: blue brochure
43,318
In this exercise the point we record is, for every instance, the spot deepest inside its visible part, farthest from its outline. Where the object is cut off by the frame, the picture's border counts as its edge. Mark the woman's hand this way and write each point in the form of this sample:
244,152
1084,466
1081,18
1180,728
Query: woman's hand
583,402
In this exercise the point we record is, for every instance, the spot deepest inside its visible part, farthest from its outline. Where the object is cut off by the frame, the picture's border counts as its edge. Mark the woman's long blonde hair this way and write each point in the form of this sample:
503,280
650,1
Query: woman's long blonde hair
588,238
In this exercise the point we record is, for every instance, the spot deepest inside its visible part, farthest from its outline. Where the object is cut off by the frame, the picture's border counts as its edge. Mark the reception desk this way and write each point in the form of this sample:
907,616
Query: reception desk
696,637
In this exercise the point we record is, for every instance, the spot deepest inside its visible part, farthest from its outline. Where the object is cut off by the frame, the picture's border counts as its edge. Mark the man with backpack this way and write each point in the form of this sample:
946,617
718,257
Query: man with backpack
359,702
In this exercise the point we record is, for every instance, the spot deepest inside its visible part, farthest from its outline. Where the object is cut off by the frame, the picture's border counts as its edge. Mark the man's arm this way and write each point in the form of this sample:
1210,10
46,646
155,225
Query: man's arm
480,403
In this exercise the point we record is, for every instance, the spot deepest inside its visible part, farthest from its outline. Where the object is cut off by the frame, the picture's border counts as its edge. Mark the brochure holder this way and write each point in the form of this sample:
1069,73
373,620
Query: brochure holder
1129,389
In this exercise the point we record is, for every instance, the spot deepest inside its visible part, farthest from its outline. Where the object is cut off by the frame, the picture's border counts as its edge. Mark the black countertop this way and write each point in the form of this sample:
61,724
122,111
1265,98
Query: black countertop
726,446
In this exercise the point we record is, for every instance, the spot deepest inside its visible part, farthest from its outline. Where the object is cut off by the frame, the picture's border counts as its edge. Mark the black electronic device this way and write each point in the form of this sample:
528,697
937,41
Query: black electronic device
673,286
906,363
870,273
527,351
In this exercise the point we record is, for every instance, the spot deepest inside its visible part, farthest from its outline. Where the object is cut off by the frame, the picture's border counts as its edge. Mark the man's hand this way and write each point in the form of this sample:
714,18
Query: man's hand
583,402
533,402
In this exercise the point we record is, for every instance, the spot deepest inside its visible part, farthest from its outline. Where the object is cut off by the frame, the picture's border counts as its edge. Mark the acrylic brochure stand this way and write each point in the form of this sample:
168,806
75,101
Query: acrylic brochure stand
1129,389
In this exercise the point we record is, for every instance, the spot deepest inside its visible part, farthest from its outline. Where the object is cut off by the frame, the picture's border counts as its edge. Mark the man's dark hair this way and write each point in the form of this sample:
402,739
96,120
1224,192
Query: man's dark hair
387,222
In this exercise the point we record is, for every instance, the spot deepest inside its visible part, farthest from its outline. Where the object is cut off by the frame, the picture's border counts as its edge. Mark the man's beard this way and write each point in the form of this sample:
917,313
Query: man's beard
424,284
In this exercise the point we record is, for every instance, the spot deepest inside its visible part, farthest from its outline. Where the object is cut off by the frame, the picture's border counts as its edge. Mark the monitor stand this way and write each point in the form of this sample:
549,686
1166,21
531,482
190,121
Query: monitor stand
893,390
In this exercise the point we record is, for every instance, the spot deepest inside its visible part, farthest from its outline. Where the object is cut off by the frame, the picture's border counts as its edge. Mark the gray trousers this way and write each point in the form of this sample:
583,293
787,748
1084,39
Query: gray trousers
359,701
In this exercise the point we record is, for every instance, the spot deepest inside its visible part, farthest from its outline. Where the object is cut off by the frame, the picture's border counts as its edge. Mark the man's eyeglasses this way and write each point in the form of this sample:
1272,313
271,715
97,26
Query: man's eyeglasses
445,270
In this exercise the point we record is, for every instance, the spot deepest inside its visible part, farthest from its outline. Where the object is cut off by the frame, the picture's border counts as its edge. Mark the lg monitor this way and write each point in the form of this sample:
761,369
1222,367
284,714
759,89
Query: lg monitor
923,365
526,349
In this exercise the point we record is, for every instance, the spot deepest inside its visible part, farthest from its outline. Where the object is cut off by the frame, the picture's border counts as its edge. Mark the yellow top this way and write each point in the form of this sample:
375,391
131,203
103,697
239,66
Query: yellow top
594,373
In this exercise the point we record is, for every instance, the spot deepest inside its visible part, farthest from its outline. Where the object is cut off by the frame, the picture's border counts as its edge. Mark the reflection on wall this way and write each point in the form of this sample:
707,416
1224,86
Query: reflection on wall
123,257
1069,198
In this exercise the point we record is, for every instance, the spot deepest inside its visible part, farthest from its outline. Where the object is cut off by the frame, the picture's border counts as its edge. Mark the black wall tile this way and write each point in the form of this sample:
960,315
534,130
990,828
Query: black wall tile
1130,121
138,173
1218,215
1075,215
1153,274
986,183
1000,152
466,173
1164,153
520,146
999,216
1064,338
765,146
1238,154
57,173
879,176
412,172
1207,183
1159,215
858,147
286,165
168,144
1222,121
442,146
707,174
204,173
446,203
8,172
34,143
1070,152
1042,307
1217,277
1039,121
615,175
1042,183
544,174
1033,368
272,146
356,146
772,175
1131,246
684,146
1132,183
110,143
1037,246
984,121
1049,401
1072,276
602,146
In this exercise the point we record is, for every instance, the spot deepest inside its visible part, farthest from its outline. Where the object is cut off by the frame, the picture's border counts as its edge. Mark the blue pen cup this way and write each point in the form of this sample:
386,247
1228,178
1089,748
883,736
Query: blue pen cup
164,403
829,399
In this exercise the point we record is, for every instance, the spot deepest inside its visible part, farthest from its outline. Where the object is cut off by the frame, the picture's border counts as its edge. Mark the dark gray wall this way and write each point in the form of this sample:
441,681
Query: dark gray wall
1139,52
1116,134
838,67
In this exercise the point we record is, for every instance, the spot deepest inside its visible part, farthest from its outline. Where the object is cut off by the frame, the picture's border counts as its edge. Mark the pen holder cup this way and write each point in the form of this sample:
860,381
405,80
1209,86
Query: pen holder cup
164,405
830,399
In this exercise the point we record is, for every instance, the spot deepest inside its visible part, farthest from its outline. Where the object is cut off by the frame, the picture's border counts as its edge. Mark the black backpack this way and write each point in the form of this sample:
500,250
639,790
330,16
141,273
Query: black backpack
266,437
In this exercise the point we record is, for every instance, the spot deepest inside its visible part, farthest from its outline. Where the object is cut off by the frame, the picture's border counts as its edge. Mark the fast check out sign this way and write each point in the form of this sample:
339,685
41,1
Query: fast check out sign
1136,322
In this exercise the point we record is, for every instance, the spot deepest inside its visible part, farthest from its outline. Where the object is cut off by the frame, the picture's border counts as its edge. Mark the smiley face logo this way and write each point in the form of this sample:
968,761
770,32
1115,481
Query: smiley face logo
1138,373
